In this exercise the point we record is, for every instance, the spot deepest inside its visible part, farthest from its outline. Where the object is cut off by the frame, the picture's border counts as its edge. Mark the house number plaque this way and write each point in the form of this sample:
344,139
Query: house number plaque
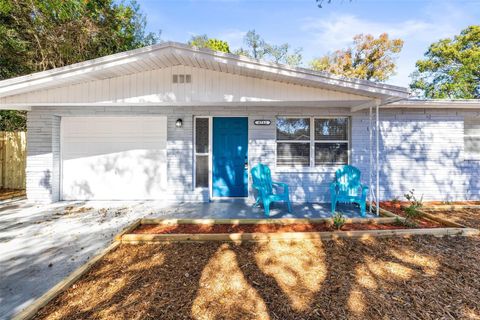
262,122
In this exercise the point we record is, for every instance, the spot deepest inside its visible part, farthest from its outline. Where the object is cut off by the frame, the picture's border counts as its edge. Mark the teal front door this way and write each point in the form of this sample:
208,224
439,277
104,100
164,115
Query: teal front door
230,157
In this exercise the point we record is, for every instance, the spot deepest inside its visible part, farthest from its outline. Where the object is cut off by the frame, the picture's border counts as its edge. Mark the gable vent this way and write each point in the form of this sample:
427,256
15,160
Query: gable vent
182,78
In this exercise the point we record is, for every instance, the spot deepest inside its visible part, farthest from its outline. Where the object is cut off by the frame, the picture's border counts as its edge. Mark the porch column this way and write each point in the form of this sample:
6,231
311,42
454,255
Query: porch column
370,160
377,164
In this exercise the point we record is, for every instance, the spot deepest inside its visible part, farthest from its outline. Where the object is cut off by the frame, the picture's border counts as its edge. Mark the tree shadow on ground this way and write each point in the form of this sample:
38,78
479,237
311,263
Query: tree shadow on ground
421,277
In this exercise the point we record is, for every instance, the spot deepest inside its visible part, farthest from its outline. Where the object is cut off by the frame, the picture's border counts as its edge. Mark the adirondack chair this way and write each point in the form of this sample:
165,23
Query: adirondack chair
347,188
262,182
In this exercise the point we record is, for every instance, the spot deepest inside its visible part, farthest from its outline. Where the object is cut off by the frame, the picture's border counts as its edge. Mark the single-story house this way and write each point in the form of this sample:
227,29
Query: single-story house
178,123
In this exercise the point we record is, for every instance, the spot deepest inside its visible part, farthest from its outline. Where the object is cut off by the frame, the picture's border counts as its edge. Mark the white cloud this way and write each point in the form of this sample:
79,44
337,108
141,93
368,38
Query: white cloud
438,21
337,31
233,37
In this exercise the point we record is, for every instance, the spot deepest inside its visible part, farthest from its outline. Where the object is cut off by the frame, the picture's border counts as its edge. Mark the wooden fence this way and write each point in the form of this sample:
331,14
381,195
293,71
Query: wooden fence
12,159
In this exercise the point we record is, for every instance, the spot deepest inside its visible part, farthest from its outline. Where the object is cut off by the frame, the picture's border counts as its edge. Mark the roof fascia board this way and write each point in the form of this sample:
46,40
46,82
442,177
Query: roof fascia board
436,103
315,104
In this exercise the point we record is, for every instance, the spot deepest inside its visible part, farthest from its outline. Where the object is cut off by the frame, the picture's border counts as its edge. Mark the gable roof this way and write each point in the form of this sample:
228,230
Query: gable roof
171,54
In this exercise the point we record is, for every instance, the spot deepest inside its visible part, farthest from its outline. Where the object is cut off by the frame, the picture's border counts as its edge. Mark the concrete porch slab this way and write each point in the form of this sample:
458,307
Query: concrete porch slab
243,209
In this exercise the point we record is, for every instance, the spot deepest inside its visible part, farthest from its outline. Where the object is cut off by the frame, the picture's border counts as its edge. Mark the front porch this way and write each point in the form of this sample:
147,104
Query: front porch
243,209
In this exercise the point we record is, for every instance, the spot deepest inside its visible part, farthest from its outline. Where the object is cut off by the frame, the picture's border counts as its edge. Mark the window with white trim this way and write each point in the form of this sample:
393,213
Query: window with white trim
311,142
202,151
471,138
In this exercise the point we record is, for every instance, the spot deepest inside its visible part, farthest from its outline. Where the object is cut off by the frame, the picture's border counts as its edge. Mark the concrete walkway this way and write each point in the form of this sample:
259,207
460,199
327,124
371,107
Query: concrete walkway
41,244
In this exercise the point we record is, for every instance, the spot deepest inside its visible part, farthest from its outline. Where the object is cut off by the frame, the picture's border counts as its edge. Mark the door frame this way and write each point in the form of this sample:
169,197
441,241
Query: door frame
210,155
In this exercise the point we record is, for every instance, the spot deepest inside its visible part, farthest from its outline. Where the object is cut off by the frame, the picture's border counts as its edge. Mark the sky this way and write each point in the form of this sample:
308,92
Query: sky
317,31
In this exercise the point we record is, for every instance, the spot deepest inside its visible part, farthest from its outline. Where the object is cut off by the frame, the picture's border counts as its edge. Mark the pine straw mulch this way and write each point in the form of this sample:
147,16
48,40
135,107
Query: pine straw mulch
381,278
467,217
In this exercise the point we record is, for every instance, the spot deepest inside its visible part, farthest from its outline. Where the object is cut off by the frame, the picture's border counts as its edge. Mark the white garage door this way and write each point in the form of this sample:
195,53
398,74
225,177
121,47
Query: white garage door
114,158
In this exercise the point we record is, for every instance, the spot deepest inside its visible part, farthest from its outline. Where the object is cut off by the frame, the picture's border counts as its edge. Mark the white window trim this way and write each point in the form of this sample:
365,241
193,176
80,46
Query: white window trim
312,167
208,153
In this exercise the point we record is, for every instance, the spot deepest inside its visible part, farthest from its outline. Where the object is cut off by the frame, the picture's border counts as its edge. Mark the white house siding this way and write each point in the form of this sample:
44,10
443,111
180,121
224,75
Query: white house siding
421,149
155,86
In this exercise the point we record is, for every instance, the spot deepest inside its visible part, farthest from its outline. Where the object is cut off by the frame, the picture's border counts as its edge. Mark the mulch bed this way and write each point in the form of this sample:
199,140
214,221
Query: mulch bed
255,228
465,203
422,277
397,208
7,194
467,217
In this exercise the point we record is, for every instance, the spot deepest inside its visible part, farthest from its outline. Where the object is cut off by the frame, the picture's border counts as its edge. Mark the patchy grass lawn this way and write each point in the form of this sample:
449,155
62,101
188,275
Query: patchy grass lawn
391,278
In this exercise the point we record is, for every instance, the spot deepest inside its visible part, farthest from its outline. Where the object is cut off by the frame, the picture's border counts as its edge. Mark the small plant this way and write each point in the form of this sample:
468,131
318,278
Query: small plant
411,211
338,220
405,223
395,200
410,196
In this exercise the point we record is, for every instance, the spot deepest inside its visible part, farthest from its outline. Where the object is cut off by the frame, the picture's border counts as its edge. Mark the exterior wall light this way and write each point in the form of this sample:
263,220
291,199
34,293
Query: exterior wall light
179,123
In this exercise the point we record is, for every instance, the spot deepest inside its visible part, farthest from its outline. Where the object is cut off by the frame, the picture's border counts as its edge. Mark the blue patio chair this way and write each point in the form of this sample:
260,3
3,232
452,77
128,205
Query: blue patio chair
347,188
262,182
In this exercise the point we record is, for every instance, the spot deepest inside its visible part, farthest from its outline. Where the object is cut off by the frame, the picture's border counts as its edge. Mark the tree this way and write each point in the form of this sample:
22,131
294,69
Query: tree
36,35
369,58
258,48
12,120
203,41
256,44
282,53
451,68
320,2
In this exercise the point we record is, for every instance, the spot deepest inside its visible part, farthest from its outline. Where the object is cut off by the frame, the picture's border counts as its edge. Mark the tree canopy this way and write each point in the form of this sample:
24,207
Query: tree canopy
36,35
203,41
258,48
369,58
451,68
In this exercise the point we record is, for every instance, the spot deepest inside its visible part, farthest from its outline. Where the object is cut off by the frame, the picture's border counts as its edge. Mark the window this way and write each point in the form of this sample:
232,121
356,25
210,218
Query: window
300,145
202,146
471,138
293,142
331,141
182,78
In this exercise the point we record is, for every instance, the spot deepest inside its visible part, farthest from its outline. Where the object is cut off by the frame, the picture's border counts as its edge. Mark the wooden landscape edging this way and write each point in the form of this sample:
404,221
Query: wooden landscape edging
282,221
126,237
234,237
128,229
441,220
452,207
30,311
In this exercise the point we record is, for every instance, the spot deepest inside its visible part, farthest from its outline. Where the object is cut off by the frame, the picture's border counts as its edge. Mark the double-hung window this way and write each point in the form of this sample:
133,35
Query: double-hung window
312,142
293,142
